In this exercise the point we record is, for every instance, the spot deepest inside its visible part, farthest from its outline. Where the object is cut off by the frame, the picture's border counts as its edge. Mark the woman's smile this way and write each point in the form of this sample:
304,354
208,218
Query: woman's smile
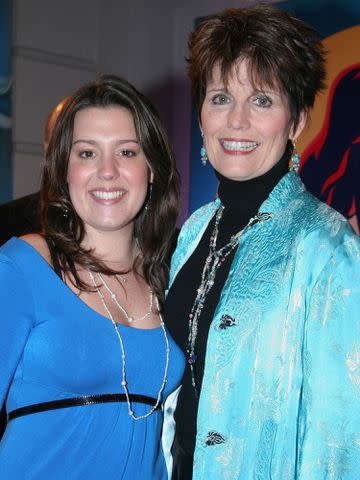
108,173
238,147
107,197
246,128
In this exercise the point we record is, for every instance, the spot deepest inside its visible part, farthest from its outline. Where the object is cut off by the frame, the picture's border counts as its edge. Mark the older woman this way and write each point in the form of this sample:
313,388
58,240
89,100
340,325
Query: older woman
265,280
86,360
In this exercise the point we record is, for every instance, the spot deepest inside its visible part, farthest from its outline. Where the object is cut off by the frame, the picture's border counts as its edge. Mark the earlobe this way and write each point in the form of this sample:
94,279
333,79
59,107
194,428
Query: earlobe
199,121
300,126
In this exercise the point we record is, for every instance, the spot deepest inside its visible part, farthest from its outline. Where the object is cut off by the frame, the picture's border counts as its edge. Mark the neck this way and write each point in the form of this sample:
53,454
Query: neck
116,249
246,197
243,199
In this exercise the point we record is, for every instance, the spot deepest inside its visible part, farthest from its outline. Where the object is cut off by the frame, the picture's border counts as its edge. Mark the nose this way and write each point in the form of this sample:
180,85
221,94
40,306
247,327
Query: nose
238,116
108,169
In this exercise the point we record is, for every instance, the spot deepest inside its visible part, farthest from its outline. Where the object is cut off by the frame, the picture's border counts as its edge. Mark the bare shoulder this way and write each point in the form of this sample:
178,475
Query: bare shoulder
38,242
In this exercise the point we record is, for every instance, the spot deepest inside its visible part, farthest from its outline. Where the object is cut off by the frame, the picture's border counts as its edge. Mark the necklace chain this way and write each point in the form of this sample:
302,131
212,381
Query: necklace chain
124,383
213,262
122,309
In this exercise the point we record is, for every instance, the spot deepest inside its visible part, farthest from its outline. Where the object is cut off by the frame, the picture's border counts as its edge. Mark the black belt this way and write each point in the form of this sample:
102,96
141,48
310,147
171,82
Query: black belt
78,401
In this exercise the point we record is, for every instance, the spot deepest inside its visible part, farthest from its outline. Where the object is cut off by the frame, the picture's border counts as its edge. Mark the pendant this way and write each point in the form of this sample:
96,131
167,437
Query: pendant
122,278
130,319
192,358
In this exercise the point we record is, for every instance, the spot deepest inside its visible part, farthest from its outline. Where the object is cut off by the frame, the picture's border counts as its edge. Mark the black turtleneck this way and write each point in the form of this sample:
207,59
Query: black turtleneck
242,200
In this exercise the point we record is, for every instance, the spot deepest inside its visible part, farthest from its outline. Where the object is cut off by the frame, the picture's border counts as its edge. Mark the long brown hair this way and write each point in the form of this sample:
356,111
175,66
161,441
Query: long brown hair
154,226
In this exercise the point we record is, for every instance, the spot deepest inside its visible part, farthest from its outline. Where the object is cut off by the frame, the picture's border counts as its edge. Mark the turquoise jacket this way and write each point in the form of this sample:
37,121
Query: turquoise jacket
281,391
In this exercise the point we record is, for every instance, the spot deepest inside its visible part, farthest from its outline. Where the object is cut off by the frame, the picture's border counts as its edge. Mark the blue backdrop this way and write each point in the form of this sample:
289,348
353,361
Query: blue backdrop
326,16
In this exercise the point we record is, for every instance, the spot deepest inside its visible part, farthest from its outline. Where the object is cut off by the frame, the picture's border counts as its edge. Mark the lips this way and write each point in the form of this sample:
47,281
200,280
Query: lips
238,146
108,196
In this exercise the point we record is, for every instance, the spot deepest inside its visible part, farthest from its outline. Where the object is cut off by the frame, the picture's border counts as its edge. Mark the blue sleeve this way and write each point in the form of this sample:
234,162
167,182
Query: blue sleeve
329,417
16,319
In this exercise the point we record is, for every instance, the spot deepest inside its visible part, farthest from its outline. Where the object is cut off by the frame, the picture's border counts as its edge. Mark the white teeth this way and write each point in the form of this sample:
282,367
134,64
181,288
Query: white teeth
107,195
239,146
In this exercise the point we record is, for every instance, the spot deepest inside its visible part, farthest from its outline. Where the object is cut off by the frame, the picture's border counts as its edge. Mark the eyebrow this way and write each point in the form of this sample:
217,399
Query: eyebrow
224,89
217,88
94,142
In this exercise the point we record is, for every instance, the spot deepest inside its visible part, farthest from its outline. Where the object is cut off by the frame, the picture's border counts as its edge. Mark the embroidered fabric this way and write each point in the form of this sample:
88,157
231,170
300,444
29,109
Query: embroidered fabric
294,294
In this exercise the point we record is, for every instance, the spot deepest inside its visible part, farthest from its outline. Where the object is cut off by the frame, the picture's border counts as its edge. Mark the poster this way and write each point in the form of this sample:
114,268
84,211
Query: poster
330,145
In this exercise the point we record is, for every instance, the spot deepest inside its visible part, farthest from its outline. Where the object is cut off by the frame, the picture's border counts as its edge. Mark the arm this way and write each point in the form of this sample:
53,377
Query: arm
329,415
16,319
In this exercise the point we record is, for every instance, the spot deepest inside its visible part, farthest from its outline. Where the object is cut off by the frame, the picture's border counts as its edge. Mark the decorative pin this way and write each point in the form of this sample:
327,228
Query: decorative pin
226,321
213,438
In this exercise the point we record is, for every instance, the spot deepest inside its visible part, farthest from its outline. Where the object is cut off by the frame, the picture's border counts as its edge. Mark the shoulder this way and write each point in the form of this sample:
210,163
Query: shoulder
19,282
190,235
303,213
198,220
24,251
14,263
204,211
324,239
325,223
38,243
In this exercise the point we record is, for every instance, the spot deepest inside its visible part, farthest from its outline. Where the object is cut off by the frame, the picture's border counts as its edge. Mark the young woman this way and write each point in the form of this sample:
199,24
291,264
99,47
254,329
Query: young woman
86,360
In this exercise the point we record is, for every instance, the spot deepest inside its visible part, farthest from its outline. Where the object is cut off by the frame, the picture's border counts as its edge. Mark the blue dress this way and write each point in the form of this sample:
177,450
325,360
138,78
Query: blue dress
53,346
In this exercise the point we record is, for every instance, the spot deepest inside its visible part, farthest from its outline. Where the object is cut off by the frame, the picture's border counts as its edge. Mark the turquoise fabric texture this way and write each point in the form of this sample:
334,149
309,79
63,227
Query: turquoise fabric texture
281,390
53,346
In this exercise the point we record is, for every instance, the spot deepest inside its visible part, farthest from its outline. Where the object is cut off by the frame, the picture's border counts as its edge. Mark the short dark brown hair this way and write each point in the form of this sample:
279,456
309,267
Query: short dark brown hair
281,51
154,227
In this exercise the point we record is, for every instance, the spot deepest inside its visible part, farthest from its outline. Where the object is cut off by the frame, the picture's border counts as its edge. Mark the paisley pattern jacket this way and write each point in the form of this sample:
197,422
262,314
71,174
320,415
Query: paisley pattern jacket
281,391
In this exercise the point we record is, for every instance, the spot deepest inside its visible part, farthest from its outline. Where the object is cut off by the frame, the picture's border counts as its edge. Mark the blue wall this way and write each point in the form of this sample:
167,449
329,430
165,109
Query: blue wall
327,16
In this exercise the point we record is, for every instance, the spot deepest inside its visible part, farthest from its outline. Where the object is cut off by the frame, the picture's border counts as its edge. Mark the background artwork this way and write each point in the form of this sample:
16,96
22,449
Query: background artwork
330,144
330,162
5,100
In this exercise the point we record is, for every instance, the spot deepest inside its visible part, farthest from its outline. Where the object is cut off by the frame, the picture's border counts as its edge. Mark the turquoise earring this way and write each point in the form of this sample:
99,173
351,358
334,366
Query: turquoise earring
203,155
295,159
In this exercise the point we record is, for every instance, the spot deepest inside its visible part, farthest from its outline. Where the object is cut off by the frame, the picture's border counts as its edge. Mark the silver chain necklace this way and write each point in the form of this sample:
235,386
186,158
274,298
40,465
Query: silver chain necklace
121,308
124,383
213,262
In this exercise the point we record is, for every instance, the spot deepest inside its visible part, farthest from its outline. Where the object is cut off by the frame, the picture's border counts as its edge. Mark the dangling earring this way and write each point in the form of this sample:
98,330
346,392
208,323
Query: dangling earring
295,159
203,155
149,196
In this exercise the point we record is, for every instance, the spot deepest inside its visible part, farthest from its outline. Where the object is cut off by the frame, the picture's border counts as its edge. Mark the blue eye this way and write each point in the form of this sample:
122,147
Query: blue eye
220,99
263,101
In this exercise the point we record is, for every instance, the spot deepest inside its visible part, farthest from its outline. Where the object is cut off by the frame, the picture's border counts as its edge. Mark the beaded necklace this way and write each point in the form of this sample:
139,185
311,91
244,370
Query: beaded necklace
123,356
213,262
128,317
